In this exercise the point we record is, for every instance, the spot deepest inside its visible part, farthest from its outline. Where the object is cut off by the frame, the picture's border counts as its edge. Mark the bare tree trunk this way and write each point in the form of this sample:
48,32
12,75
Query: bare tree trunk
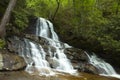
58,5
74,7
6,17
117,9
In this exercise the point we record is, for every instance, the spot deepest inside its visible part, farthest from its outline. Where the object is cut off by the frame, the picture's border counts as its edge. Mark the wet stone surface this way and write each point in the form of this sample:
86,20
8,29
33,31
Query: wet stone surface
10,61
22,75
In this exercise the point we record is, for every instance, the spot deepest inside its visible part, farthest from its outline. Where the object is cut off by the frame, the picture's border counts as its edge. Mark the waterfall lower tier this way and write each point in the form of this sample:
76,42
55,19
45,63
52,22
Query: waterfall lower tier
103,67
42,58
49,54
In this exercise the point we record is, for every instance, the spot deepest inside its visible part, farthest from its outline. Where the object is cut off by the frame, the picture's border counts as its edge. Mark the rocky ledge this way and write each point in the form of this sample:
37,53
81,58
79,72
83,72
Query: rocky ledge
80,60
22,75
10,61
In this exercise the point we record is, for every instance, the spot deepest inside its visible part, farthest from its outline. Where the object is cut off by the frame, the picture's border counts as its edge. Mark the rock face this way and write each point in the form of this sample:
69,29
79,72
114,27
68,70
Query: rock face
80,60
1,61
112,58
22,75
10,61
76,54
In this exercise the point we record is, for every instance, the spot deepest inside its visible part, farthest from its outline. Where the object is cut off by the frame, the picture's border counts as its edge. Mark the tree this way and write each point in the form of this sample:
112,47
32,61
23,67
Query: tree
6,17
117,9
58,5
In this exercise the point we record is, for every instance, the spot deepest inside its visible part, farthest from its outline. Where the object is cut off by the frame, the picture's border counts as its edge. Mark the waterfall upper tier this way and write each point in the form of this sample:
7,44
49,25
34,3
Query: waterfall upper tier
44,28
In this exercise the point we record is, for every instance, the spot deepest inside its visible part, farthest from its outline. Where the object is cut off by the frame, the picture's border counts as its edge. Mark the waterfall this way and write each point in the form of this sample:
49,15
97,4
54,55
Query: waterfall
47,54
38,60
35,57
44,28
104,68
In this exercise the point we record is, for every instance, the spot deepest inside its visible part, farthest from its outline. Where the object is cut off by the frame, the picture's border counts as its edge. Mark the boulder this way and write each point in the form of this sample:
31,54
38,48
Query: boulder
76,54
1,61
11,61
89,68
80,60
53,62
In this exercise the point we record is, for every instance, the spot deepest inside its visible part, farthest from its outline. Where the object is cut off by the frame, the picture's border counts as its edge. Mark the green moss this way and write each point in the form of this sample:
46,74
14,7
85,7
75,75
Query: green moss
2,44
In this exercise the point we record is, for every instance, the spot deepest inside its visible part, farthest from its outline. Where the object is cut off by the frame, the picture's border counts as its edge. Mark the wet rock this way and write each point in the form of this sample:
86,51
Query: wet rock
1,61
76,54
35,38
31,26
53,62
32,37
41,71
89,68
80,60
10,61
22,75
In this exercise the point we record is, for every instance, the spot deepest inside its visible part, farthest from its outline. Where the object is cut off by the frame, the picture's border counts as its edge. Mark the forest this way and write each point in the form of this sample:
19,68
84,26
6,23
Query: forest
90,25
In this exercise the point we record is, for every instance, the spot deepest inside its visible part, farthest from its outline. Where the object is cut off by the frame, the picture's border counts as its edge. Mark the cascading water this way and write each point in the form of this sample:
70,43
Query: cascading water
104,68
38,60
34,55
44,28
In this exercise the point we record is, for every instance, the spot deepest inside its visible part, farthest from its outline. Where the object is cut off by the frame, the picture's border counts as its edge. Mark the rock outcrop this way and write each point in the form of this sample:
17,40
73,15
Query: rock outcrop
10,61
80,60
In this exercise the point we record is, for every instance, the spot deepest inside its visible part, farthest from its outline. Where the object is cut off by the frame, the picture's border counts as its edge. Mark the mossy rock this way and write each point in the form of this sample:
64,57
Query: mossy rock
10,61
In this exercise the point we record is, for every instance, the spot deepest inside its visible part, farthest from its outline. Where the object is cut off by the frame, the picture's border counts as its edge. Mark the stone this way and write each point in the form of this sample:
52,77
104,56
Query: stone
80,60
53,62
1,61
11,61
76,54
89,68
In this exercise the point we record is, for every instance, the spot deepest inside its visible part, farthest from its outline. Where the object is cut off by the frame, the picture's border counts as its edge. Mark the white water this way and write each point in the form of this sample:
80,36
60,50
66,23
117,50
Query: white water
38,61
44,28
60,62
35,58
104,68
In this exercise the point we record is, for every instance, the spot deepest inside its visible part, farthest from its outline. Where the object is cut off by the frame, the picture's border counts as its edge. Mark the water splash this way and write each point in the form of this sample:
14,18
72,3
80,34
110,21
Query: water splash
35,57
45,29
104,68
40,61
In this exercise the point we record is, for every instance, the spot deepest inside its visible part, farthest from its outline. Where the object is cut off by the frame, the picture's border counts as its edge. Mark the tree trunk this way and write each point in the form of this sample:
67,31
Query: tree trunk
58,5
6,17
74,7
117,9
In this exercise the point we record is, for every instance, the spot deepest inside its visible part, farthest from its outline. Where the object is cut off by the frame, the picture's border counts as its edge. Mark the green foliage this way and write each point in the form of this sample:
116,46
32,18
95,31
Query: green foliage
44,8
2,44
20,15
95,23
21,19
